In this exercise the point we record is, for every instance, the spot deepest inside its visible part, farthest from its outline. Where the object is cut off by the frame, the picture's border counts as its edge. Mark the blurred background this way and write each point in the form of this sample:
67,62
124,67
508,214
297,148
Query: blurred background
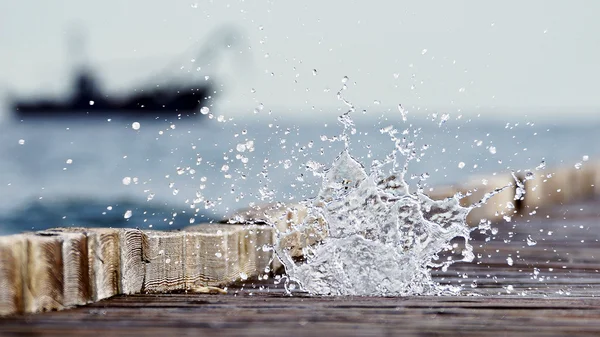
159,114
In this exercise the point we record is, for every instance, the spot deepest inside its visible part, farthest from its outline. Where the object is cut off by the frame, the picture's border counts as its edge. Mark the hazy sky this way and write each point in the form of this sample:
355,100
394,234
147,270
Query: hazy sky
441,54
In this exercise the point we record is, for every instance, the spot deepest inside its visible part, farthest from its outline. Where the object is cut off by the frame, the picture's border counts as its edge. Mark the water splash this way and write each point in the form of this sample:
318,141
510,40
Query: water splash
366,233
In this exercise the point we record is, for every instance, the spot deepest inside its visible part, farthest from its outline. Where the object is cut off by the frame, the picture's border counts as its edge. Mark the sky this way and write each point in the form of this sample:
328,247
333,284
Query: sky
513,56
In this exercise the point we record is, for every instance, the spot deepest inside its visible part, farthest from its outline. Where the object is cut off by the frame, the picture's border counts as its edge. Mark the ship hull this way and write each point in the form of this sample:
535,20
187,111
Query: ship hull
152,104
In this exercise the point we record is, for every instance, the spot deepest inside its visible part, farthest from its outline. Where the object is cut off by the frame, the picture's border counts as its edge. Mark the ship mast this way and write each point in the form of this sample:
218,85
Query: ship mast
84,84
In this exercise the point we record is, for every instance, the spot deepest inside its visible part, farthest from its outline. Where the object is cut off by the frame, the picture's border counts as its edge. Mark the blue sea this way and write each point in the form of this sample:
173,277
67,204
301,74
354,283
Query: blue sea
167,174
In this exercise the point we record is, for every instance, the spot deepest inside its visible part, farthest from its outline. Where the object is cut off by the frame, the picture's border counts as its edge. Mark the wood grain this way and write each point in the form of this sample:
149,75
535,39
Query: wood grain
105,264
44,284
165,269
103,260
213,254
13,260
133,244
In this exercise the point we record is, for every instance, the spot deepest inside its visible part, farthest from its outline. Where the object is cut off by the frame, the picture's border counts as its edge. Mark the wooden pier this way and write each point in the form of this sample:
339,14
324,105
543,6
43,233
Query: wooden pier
539,275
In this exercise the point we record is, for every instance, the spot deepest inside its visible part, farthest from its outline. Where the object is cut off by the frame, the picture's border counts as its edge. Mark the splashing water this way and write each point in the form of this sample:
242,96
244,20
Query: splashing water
368,234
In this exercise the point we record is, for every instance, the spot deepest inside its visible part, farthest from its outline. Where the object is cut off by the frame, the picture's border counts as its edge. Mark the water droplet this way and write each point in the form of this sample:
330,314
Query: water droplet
345,79
21,141
541,166
531,241
218,254
402,112
91,102
126,180
586,158
578,166
444,118
424,51
243,276
461,165
135,125
492,149
509,260
128,214
314,72
69,161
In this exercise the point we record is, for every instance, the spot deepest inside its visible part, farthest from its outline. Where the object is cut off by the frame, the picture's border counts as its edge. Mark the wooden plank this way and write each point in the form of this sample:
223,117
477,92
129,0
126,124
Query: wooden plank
271,314
565,184
213,255
133,244
105,263
261,240
165,270
496,208
284,218
13,260
76,280
103,259
44,284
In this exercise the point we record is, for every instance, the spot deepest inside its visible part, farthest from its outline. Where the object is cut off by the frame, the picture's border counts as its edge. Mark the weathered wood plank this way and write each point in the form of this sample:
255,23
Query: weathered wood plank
271,314
133,244
44,283
500,205
103,259
76,278
13,260
285,218
260,241
213,255
105,263
165,269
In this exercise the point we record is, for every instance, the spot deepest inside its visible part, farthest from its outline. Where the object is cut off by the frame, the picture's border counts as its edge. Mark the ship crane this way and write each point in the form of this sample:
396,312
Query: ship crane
220,40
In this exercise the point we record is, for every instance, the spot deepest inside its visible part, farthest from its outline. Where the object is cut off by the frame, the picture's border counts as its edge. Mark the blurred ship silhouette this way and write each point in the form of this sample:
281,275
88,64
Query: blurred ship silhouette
88,100
152,101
